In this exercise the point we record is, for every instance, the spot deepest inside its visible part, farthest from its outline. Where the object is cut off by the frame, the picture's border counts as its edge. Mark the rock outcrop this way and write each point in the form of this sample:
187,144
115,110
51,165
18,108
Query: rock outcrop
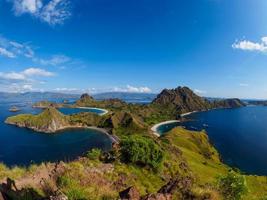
84,100
183,99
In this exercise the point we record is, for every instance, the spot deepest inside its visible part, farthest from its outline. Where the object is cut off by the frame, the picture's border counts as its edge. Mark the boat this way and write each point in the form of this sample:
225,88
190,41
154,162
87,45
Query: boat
14,109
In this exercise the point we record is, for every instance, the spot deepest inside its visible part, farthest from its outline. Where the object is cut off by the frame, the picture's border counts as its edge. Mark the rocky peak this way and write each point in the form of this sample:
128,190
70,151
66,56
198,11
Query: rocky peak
181,99
86,96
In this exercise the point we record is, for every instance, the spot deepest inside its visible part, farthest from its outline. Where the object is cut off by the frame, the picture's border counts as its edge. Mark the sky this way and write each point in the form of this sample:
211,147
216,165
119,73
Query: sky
218,48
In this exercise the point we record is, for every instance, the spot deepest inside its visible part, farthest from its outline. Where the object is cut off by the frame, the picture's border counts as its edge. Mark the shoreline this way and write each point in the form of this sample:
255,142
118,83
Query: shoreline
101,109
62,129
155,127
189,113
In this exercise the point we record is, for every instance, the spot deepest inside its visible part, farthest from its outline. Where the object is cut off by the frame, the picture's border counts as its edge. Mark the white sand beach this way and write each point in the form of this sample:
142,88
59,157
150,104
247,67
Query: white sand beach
155,127
101,109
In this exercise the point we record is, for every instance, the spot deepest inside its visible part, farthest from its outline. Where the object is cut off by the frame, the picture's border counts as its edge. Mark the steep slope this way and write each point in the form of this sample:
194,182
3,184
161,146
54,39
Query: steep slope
228,103
50,120
88,101
182,99
124,123
84,100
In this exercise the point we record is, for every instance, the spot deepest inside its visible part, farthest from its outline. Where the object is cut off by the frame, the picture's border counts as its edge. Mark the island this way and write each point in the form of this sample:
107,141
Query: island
180,164
14,109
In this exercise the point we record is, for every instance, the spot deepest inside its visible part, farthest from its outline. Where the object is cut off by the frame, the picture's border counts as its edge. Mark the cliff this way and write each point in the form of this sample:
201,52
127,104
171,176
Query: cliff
49,121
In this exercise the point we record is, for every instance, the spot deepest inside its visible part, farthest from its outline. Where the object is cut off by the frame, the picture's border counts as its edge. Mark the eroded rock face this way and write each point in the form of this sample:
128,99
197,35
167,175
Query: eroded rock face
182,99
86,96
179,184
130,193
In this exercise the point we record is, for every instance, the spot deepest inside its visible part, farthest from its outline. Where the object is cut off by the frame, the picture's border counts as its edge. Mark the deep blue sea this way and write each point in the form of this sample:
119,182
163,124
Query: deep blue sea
240,135
21,146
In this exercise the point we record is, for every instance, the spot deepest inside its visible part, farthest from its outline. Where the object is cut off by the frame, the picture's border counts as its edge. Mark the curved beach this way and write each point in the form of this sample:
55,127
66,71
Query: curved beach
101,109
155,127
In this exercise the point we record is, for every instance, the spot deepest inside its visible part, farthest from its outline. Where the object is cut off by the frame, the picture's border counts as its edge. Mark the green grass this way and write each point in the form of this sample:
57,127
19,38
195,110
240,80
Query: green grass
194,146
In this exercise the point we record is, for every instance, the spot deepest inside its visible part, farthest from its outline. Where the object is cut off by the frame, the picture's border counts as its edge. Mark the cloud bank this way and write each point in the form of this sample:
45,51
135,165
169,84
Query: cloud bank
24,80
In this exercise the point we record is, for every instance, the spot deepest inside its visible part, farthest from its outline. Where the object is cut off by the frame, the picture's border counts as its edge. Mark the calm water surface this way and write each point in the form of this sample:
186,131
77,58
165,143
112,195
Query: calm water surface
20,146
240,135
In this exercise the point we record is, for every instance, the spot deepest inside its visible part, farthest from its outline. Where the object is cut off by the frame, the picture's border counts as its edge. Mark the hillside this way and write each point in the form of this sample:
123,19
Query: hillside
125,96
183,99
189,169
181,164
227,103
49,121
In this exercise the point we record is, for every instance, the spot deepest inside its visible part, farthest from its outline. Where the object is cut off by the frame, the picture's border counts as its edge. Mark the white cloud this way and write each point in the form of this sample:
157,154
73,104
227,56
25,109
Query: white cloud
199,91
27,87
27,6
54,60
26,74
12,49
24,80
12,76
247,45
52,12
55,12
67,90
37,72
132,89
6,53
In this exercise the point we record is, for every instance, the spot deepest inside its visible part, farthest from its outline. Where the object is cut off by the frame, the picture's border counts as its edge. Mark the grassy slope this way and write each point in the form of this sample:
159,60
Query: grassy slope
41,120
96,180
206,170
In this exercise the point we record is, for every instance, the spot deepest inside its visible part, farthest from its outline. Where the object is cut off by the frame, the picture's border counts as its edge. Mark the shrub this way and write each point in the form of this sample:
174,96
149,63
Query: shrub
141,151
94,154
232,186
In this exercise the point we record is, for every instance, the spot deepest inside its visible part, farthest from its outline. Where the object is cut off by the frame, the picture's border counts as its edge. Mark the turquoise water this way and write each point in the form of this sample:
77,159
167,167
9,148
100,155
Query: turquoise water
21,146
240,135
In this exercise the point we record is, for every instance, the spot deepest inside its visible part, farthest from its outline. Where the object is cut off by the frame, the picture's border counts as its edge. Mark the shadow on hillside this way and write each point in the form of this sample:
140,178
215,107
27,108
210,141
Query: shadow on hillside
9,191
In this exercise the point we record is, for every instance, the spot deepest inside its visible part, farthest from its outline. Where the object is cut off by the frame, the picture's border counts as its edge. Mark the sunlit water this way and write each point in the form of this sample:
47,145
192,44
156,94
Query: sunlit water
21,146
240,135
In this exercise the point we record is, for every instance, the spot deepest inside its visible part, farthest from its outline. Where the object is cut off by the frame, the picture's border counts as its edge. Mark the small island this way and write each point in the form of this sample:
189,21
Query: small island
14,109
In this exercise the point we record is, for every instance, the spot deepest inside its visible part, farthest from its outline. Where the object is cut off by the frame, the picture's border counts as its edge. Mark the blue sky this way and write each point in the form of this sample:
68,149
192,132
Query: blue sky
216,47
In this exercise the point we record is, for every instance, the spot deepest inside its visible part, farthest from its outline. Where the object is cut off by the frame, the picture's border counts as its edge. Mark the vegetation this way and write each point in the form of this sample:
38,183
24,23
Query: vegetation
232,185
94,154
141,151
181,157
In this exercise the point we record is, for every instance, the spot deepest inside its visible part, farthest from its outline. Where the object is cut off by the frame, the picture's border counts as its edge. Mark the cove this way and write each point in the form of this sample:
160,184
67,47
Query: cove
240,135
20,146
